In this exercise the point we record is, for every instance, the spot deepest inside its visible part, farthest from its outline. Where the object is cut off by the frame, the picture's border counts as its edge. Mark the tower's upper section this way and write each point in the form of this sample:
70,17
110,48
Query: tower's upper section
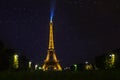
51,41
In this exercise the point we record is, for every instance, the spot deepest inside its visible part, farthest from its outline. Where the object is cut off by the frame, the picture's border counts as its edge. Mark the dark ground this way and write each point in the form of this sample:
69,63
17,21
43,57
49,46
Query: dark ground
83,75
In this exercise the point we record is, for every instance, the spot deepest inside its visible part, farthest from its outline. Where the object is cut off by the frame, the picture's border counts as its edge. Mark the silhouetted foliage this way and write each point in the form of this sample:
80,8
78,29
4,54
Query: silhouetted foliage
1,45
23,62
104,61
5,59
80,67
100,61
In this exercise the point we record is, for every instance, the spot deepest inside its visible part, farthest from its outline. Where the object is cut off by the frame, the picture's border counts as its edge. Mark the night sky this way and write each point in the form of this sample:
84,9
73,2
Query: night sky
83,29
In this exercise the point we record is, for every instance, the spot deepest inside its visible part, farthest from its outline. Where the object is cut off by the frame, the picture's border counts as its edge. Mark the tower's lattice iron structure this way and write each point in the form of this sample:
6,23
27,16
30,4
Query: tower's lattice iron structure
51,62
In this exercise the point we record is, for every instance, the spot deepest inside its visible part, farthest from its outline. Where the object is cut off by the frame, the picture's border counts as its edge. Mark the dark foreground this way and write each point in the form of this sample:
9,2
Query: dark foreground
83,75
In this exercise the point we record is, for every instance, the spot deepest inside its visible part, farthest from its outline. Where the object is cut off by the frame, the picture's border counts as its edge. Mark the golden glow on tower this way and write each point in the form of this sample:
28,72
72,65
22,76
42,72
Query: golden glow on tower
47,58
51,62
55,58
51,41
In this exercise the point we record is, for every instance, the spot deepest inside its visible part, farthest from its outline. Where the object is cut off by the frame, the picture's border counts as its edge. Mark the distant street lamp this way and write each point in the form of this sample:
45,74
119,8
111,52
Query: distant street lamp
30,64
36,66
75,65
15,61
112,59
40,68
86,62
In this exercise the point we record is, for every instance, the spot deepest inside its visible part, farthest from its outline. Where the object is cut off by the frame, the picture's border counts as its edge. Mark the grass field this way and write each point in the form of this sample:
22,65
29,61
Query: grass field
83,75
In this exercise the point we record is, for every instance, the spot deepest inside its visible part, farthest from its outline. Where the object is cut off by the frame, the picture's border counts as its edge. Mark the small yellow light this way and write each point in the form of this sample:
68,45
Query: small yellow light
15,61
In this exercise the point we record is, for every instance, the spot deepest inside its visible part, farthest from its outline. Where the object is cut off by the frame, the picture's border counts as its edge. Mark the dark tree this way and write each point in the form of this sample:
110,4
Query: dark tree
6,61
23,63
100,61
1,45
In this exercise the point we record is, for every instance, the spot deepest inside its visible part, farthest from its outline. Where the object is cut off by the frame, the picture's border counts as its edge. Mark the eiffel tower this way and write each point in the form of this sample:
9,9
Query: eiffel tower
51,62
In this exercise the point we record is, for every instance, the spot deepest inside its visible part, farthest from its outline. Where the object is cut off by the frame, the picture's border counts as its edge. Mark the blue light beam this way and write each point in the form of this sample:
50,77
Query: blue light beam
52,9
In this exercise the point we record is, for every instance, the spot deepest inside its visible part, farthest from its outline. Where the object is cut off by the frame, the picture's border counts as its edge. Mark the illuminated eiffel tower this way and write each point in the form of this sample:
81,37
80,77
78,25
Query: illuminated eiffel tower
51,62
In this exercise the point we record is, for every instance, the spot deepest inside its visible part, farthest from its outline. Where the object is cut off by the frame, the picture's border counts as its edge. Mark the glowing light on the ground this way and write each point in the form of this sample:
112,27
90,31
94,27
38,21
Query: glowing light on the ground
40,68
88,67
75,65
112,59
30,64
36,67
15,61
